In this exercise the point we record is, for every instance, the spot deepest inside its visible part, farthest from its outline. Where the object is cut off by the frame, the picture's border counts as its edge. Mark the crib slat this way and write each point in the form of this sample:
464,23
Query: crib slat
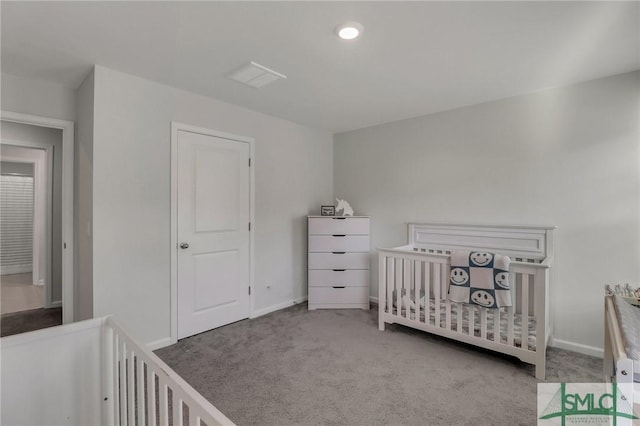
445,285
406,285
390,266
427,293
140,388
163,402
472,320
397,284
108,384
123,385
151,397
446,275
131,386
116,379
483,323
541,312
510,320
511,310
382,290
418,290
496,325
382,273
177,411
524,322
436,293
459,317
193,420
447,314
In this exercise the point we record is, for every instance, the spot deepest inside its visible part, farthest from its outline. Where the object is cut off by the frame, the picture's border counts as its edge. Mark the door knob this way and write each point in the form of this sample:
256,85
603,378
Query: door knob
184,245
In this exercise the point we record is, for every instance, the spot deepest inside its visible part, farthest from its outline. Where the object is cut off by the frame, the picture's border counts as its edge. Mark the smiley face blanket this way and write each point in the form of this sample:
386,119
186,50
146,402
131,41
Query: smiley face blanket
480,278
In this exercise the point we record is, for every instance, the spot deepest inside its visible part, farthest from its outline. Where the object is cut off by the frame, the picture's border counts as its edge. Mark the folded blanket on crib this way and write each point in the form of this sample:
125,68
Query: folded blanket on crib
480,278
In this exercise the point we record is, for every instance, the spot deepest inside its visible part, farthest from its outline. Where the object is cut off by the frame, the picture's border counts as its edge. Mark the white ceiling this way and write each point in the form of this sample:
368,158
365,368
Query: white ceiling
413,58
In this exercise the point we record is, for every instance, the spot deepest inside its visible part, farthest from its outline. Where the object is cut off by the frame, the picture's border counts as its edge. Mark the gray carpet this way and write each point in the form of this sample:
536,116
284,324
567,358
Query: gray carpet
34,319
333,367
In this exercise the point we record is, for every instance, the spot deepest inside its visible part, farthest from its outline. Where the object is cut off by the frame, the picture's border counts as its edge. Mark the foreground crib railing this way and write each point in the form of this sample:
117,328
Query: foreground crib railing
407,276
618,366
94,372
144,387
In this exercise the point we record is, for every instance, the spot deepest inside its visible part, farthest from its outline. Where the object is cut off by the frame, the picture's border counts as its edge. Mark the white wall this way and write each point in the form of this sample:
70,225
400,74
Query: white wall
37,98
131,196
83,201
567,157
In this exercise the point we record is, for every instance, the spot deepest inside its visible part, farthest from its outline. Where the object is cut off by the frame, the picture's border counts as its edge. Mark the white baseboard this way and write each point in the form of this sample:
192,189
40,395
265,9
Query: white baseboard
55,304
39,282
577,347
268,310
161,343
300,300
373,299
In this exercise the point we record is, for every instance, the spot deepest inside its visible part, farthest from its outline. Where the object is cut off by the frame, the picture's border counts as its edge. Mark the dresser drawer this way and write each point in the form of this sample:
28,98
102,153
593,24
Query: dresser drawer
338,261
339,225
346,277
338,242
346,295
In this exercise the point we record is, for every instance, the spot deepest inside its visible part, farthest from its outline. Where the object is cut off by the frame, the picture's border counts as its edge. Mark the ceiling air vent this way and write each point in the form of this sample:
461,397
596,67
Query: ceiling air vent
255,75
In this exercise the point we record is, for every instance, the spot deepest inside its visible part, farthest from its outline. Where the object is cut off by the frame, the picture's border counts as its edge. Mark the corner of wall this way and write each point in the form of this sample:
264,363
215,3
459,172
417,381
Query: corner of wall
83,188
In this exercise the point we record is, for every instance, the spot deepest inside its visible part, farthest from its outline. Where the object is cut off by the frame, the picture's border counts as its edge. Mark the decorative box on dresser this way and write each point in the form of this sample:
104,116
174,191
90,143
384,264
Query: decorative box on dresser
338,262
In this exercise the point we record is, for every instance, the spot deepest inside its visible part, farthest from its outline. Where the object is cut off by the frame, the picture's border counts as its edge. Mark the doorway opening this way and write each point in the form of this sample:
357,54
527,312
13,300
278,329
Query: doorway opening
34,276
20,249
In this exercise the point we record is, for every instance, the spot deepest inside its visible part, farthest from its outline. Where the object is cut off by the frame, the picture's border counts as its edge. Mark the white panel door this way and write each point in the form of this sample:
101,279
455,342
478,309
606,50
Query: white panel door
213,235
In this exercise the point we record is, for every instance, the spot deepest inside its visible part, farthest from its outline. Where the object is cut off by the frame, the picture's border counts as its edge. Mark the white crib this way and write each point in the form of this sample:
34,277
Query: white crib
621,361
413,284
93,373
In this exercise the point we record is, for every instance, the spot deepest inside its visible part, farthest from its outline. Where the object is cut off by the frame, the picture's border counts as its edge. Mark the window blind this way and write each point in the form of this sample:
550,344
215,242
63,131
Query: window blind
16,224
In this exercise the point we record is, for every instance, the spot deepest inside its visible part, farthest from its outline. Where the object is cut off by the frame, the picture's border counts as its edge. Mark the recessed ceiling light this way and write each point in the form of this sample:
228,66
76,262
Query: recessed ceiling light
349,30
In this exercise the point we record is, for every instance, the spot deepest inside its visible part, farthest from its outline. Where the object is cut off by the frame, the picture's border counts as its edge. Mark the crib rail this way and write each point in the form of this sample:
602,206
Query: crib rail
413,288
618,367
141,390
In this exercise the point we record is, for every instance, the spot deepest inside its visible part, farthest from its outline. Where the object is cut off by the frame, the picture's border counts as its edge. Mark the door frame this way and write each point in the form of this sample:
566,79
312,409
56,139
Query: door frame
68,145
42,216
175,128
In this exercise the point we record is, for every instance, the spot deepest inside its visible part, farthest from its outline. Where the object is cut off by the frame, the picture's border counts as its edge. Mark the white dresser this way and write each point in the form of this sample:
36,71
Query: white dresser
338,262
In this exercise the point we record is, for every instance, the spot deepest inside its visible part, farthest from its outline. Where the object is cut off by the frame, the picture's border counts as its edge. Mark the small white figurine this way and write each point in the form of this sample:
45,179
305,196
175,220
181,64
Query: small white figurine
345,207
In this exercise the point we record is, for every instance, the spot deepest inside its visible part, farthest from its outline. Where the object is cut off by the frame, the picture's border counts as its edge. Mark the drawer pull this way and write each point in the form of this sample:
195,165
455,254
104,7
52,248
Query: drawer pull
339,218
338,252
338,235
339,270
338,286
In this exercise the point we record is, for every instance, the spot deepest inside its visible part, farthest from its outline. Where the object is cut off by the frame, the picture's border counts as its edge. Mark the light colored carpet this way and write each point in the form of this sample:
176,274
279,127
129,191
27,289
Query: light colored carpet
19,294
333,367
